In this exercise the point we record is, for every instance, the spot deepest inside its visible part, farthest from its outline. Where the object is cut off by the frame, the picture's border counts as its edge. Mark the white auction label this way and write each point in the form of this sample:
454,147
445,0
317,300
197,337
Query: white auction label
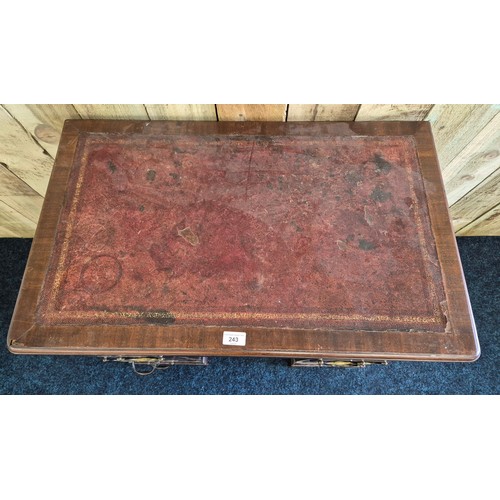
234,338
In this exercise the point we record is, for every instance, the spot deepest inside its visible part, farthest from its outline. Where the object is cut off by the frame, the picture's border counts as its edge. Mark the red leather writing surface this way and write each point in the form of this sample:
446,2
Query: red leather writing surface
296,232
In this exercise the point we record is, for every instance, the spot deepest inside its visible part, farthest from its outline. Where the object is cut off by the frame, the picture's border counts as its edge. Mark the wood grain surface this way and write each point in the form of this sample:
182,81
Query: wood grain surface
112,111
477,161
412,112
12,185
455,126
43,121
477,202
322,112
251,112
489,222
15,224
22,155
182,111
27,206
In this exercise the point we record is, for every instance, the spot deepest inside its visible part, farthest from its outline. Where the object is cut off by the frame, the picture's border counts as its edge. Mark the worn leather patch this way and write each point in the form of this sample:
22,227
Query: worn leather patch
292,232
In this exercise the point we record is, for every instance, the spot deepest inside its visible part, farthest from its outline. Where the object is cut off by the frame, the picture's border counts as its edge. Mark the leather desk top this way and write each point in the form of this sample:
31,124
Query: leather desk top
316,239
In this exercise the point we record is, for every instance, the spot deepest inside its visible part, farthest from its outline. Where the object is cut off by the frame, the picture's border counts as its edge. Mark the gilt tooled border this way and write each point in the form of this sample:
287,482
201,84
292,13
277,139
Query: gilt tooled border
57,316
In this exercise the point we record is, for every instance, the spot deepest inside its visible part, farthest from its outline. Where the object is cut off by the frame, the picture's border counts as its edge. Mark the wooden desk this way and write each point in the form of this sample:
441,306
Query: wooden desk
315,240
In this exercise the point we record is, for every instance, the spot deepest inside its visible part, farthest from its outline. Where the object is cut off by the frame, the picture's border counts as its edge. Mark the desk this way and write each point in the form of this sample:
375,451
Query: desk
296,240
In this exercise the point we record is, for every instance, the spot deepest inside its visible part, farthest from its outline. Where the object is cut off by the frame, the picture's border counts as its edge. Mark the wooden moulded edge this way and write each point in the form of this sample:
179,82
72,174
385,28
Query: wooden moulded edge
463,332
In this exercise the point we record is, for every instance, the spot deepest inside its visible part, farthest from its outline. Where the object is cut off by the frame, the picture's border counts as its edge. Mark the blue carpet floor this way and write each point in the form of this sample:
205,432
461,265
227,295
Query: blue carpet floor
89,375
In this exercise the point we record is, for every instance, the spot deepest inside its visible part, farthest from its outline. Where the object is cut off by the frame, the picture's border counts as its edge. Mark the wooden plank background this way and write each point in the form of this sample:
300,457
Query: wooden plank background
467,138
